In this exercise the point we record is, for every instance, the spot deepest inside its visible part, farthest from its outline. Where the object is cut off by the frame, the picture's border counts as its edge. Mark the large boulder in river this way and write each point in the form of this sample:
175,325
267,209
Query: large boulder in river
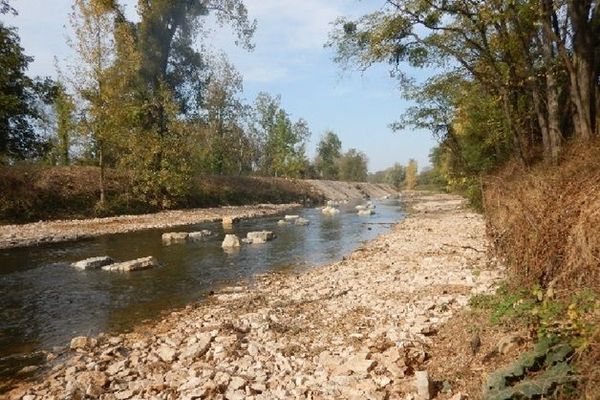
329,210
183,237
230,241
197,236
259,237
229,221
366,212
93,263
174,237
133,265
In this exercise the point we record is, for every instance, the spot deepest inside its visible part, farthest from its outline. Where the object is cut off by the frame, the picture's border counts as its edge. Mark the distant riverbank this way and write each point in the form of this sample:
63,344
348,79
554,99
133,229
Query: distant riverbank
30,193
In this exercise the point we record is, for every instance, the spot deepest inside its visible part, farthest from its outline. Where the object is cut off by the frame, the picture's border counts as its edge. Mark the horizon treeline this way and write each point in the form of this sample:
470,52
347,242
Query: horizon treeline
146,98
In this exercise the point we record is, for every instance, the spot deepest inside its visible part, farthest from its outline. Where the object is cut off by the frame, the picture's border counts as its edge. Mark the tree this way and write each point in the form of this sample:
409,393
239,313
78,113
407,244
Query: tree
94,44
353,166
282,143
229,150
328,151
20,98
411,175
5,8
64,110
395,175
519,52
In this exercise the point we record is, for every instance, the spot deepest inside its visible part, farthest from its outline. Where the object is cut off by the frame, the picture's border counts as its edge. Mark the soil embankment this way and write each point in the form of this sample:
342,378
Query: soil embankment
359,328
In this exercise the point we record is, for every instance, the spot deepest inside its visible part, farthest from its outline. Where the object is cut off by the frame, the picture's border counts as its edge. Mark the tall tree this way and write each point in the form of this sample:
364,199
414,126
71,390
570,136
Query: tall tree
20,98
229,149
328,151
94,44
64,111
353,166
411,174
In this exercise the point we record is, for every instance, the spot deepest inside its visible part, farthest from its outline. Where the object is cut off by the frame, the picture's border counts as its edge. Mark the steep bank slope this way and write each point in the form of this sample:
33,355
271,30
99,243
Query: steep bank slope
335,190
359,328
33,193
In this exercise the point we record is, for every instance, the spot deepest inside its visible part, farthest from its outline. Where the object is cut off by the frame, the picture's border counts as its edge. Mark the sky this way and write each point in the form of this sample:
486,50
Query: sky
289,59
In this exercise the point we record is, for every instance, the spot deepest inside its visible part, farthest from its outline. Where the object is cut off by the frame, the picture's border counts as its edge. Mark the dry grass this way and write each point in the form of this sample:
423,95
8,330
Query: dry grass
546,221
33,192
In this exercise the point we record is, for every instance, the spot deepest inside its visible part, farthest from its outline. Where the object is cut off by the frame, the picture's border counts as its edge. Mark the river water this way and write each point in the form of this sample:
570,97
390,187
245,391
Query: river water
44,302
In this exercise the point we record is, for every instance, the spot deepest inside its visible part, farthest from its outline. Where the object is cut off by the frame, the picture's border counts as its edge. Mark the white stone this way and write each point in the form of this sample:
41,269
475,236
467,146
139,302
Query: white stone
166,353
236,383
259,237
291,217
82,342
302,222
133,265
230,241
174,237
199,348
197,236
423,385
330,210
365,212
93,263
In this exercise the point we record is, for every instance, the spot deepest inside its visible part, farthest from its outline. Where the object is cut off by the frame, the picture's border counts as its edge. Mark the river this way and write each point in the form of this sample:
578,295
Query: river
44,302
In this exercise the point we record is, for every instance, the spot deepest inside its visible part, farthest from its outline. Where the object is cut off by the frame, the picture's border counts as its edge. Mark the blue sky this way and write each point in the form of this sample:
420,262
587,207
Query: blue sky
289,59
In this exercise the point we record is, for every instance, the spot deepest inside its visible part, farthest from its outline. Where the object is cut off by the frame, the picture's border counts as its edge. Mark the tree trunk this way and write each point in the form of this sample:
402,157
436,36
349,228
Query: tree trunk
554,133
102,173
506,108
542,122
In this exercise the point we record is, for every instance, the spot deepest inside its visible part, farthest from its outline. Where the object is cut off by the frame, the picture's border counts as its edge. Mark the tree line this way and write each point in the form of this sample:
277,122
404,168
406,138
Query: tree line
516,79
142,97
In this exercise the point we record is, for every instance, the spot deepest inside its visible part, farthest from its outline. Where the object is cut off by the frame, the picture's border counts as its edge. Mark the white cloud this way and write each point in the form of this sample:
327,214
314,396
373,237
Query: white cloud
295,24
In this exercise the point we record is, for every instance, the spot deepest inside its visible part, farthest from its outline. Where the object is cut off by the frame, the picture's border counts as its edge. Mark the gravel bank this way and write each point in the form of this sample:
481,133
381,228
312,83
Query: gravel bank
357,329
68,230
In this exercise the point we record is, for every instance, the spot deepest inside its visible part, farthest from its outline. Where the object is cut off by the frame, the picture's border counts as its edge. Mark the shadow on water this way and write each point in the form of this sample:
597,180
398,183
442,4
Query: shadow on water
44,302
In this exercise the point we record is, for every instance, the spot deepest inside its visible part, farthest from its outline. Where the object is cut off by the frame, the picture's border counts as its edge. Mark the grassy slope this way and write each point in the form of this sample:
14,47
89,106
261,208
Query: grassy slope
31,193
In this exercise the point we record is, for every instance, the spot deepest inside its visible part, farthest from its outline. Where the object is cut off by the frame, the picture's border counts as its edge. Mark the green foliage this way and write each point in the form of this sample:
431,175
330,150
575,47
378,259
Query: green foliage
282,143
536,373
551,317
394,176
20,96
353,166
328,152
64,111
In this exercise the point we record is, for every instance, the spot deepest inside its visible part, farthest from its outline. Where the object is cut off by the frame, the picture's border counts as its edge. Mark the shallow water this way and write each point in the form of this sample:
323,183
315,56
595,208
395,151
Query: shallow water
44,302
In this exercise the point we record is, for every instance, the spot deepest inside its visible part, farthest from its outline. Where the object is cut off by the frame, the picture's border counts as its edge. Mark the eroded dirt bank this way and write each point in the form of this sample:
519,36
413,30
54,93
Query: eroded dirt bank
356,329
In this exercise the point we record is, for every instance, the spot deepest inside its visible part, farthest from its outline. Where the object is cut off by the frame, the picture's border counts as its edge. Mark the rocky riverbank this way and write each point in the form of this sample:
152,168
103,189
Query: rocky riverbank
68,230
357,329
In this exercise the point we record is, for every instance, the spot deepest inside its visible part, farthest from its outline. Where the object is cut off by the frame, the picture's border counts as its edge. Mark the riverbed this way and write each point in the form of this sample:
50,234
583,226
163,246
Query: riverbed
356,328
44,302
